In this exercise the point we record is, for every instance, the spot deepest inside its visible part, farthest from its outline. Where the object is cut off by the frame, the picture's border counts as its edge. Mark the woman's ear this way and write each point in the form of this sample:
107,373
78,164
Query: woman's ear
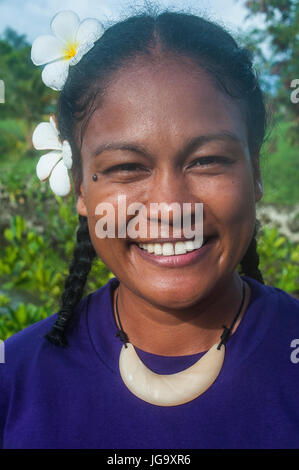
259,190
80,203
258,183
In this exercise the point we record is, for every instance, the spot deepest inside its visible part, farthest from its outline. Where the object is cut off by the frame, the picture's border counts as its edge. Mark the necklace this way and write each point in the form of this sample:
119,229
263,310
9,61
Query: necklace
172,389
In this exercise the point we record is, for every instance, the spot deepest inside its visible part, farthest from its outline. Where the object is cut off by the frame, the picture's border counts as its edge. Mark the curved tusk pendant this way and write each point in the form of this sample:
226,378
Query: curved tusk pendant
169,389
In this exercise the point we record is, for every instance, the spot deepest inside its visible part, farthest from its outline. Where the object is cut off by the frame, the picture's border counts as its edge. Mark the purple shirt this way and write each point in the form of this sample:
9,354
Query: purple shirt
75,398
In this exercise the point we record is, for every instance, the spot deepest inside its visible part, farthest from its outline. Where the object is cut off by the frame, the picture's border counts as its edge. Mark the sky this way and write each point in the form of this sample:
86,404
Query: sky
32,17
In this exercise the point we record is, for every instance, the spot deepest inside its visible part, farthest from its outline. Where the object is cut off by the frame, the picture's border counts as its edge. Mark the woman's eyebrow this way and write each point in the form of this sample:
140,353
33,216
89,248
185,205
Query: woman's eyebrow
189,146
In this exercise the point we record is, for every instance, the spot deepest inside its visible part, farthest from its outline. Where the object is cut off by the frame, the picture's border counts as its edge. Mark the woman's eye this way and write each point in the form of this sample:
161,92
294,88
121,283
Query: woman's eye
125,168
207,161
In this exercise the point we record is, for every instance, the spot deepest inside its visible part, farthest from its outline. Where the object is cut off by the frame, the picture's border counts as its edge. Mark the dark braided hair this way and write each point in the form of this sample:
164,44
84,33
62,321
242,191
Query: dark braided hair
84,254
152,35
250,261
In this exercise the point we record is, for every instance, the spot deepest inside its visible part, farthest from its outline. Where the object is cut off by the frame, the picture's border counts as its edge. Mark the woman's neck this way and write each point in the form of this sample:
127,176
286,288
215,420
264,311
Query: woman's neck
169,332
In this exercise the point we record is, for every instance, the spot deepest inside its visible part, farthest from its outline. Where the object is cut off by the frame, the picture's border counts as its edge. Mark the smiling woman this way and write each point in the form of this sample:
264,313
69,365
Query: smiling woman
163,108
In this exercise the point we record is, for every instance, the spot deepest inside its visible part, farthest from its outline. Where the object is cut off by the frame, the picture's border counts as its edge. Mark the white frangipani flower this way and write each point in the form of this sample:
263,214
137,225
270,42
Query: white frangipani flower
56,163
70,42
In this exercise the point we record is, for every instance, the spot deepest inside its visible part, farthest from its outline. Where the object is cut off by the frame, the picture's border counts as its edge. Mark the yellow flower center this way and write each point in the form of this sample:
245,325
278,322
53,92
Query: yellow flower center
70,51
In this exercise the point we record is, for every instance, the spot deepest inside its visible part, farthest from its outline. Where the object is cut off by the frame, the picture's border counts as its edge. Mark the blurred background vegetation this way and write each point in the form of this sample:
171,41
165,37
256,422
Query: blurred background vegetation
37,230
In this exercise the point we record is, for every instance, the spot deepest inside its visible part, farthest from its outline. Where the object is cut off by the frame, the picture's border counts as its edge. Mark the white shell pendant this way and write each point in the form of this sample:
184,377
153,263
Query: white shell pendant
169,389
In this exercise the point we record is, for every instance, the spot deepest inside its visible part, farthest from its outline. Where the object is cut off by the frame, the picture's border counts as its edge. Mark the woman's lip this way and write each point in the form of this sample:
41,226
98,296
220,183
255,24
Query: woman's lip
174,260
164,240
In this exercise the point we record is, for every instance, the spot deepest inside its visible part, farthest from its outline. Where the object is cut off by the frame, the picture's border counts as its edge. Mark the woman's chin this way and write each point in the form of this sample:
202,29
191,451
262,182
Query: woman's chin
178,294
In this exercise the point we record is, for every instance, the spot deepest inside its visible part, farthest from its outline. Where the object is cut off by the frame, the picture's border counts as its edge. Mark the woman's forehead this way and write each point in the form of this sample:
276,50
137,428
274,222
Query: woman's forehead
164,101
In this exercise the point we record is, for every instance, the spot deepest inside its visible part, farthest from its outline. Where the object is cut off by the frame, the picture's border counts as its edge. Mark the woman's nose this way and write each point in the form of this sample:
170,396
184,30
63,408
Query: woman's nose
169,186
169,199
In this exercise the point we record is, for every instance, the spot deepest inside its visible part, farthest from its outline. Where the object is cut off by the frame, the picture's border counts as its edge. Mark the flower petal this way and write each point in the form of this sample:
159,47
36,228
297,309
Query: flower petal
54,75
82,50
45,137
67,154
53,124
45,49
59,180
65,25
46,164
89,31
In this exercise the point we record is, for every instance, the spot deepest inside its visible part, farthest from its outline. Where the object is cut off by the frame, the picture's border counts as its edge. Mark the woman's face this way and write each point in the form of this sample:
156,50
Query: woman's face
161,107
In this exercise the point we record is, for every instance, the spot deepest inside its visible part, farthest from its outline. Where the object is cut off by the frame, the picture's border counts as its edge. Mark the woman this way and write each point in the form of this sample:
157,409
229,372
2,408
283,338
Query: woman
163,108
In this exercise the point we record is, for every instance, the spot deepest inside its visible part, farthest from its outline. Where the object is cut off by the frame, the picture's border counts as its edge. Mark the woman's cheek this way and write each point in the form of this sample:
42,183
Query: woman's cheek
231,197
231,205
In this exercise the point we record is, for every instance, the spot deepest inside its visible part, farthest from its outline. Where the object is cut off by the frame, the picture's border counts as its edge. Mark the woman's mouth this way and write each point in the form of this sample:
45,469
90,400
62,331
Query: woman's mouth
177,253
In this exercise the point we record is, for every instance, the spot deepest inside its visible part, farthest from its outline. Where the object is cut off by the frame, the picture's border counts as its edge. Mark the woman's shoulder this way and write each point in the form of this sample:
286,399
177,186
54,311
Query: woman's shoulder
23,346
280,302
25,341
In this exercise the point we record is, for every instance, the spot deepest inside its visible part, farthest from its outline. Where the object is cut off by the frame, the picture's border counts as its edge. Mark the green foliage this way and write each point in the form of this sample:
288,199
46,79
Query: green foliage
14,320
280,168
281,20
23,82
25,261
39,264
12,137
27,100
279,260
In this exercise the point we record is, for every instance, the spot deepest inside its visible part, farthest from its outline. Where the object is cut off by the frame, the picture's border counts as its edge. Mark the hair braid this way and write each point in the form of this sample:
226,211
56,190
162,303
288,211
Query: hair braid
251,259
84,254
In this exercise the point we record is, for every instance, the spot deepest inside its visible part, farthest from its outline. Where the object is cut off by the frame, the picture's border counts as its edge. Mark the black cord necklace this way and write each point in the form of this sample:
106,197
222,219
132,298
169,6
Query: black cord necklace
223,338
171,389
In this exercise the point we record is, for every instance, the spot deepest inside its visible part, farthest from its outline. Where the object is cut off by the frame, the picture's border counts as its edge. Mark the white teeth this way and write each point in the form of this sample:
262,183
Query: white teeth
158,249
167,249
180,248
170,249
149,247
189,245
